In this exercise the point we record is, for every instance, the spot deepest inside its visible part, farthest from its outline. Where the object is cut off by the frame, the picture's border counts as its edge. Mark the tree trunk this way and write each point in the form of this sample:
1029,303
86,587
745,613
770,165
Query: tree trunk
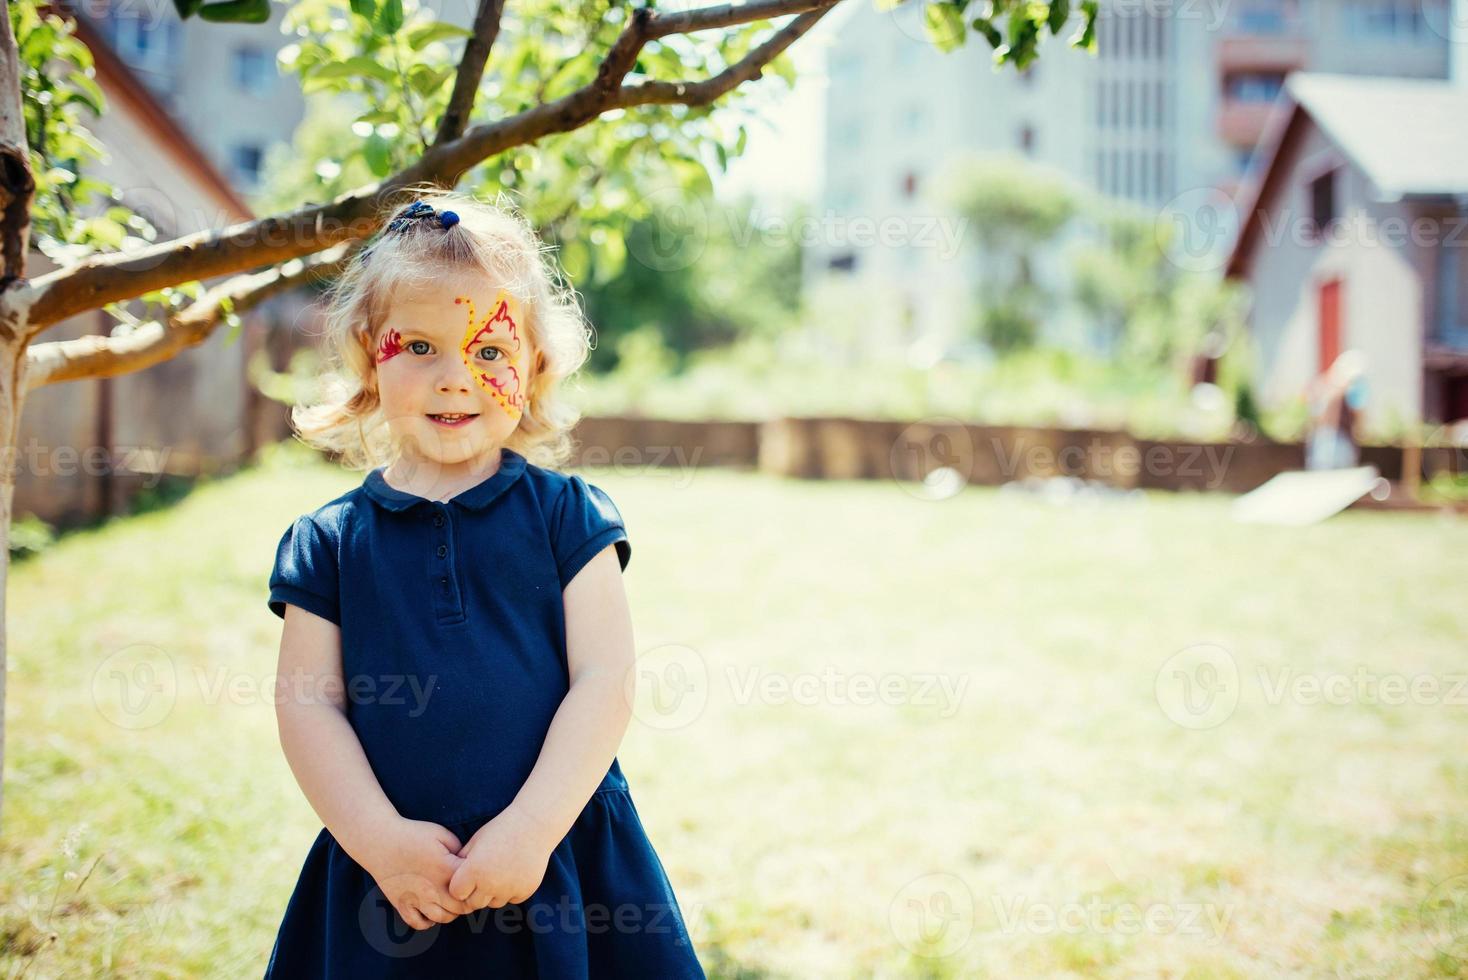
12,366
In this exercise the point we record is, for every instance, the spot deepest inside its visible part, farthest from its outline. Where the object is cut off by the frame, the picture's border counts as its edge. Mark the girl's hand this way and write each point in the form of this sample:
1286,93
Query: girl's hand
504,862
412,863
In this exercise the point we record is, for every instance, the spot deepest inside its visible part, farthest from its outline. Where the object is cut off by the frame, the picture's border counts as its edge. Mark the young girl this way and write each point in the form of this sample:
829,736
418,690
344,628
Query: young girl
457,636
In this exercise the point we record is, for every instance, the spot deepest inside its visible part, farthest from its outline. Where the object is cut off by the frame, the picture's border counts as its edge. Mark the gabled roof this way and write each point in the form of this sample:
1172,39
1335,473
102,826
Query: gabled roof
1408,136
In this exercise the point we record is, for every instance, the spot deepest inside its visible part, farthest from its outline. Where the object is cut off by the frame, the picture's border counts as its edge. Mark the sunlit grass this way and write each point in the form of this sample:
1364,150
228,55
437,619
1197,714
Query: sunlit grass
1000,811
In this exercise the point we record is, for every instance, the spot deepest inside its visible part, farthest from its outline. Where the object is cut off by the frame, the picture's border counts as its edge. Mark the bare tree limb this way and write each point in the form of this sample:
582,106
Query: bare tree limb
726,15
112,277
471,70
154,342
750,67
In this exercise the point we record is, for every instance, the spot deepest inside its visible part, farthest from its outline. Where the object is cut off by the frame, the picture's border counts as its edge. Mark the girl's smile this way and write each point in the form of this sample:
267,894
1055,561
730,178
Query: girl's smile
455,421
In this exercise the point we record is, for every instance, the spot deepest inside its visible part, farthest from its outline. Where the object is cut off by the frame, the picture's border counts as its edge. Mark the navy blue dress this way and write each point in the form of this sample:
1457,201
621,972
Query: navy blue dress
453,643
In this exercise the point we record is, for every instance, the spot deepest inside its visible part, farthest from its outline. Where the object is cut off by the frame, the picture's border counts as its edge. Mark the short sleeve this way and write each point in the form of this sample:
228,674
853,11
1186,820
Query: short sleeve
305,573
584,521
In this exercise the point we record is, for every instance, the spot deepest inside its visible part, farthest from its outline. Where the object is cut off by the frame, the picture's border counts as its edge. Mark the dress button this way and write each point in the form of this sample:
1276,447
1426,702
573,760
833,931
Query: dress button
443,549
438,520
443,581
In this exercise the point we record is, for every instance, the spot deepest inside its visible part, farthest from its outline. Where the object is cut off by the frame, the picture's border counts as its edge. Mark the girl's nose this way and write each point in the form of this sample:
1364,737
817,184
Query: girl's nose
454,378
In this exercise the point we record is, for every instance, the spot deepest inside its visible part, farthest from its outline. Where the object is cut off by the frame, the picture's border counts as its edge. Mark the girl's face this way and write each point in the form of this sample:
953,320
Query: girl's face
452,362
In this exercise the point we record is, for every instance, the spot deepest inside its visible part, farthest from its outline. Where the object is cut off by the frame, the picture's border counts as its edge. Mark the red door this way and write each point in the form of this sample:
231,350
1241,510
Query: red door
1330,323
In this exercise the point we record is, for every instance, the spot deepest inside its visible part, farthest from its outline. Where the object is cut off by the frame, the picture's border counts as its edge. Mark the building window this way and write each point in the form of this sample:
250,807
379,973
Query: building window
254,70
1323,202
909,184
1027,140
1257,17
1254,86
845,262
149,49
1388,20
245,160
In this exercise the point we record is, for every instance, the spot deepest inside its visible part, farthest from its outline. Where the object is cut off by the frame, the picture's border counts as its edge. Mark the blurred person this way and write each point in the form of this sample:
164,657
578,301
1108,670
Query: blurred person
1336,399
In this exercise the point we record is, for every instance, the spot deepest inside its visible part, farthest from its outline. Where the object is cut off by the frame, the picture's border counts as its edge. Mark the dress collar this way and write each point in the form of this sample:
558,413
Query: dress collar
512,464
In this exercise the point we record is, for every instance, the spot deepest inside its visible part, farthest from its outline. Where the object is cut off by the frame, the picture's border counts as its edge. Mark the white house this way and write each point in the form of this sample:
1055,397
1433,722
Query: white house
1355,235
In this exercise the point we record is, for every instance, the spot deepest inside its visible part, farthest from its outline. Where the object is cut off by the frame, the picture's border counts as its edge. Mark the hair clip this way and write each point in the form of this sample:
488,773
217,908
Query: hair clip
418,210
413,212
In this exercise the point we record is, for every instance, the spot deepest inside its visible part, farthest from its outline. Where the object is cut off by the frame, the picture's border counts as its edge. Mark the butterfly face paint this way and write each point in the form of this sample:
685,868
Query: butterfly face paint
390,347
499,374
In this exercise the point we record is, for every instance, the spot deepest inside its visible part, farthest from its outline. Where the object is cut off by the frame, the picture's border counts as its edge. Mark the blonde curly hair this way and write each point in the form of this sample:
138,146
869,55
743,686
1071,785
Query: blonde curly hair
493,239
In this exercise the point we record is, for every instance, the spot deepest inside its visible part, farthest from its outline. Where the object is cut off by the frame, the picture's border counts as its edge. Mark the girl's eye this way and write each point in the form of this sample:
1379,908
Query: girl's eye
419,346
491,350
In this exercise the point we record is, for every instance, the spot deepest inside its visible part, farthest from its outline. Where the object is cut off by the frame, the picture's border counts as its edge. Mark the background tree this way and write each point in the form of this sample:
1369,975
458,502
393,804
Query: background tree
1015,207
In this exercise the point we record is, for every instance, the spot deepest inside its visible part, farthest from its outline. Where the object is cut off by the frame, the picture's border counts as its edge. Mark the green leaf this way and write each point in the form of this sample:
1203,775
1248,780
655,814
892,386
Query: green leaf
236,12
364,8
990,32
1085,38
1059,13
377,153
390,17
422,35
424,79
943,23
103,231
376,116
360,66
87,89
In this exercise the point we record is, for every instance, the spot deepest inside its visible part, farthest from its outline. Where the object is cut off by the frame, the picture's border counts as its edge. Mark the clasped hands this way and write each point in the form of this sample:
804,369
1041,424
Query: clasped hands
430,878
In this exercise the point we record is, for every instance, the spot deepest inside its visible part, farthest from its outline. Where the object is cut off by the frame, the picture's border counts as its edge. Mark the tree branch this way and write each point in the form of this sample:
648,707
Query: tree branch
748,68
727,15
101,357
112,277
471,71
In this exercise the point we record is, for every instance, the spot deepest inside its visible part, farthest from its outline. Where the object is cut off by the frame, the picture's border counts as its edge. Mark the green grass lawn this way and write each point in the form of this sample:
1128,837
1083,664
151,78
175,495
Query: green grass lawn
1020,790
